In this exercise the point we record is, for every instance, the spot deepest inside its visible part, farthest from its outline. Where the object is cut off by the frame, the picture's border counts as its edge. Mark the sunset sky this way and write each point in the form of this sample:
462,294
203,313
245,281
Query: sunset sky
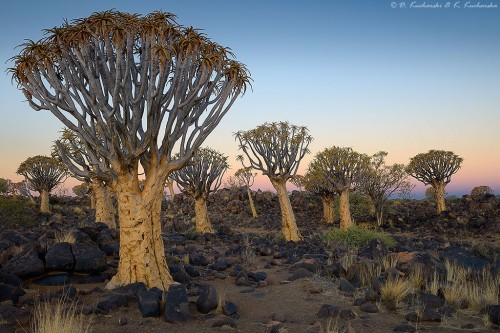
357,73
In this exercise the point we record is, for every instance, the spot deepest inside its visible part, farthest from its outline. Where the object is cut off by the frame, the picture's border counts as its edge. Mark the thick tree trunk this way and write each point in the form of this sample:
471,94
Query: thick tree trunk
288,223
440,203
202,220
252,206
44,201
104,208
328,208
345,210
142,254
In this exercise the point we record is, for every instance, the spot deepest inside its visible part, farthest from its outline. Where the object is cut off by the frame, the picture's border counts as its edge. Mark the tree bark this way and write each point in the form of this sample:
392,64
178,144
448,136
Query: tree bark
345,211
44,201
142,254
202,220
328,208
104,208
252,206
171,190
92,200
440,203
288,223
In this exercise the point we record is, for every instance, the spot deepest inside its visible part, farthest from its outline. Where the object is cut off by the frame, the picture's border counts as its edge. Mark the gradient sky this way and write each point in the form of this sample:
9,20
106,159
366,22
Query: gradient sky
356,73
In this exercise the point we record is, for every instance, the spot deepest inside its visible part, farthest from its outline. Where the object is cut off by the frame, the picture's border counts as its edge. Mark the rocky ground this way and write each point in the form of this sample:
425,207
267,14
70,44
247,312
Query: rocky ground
245,278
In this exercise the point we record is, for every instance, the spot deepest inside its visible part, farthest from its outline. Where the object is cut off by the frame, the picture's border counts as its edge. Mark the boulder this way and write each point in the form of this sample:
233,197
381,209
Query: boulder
176,304
59,258
208,299
26,264
328,311
88,258
149,302
110,302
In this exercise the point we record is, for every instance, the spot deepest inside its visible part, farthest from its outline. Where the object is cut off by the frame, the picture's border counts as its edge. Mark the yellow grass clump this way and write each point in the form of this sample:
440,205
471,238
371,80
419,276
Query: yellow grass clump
60,316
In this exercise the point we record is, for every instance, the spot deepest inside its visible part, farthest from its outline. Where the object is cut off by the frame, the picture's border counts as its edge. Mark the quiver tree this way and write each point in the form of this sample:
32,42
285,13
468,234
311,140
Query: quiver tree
137,90
246,177
201,176
80,160
435,168
315,181
276,149
43,173
343,170
381,181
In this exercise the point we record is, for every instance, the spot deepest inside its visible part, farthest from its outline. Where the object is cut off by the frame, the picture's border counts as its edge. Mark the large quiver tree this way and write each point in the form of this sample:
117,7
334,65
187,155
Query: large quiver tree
435,168
276,149
138,90
80,160
246,177
201,176
343,169
43,173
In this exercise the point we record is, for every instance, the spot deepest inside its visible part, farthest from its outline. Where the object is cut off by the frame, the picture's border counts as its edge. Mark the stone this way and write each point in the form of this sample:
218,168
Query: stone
406,328
328,311
376,249
347,314
208,299
15,316
333,270
122,321
371,296
220,265
229,308
258,276
198,259
88,258
110,302
59,257
300,273
311,265
9,292
346,286
176,304
224,321
369,307
25,264
179,274
149,302
192,271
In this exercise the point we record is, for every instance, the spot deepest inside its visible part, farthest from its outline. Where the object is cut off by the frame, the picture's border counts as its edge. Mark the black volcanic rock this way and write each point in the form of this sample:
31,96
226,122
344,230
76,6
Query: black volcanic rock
88,259
59,257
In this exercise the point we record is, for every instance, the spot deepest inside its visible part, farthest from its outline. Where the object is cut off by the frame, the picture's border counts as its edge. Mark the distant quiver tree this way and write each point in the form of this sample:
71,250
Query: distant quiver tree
315,181
43,173
435,168
381,181
246,177
144,93
276,149
343,169
201,176
81,161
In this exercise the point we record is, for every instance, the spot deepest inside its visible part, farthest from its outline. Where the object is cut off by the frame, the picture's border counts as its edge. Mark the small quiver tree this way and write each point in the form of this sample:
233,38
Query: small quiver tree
246,177
343,170
137,90
43,173
381,181
435,168
201,176
315,181
82,162
276,149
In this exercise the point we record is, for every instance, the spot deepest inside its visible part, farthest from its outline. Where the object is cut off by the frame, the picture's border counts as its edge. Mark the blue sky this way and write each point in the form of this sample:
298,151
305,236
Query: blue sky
356,73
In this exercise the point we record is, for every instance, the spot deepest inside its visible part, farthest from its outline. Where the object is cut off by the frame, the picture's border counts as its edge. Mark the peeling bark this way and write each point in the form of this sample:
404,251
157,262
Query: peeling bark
440,203
345,210
202,220
252,206
328,208
104,208
44,202
142,254
288,223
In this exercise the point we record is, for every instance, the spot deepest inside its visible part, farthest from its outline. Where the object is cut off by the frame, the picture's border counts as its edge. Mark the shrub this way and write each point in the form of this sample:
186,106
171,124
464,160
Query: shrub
15,210
394,291
356,236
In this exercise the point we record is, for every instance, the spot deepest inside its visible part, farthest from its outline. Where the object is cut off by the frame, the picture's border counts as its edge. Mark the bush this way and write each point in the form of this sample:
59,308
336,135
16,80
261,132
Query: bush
480,192
16,210
356,236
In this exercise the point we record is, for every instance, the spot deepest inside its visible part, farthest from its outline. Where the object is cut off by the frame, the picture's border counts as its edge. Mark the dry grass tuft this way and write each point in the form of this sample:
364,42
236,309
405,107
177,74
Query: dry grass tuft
66,237
394,291
416,277
390,261
60,316
333,326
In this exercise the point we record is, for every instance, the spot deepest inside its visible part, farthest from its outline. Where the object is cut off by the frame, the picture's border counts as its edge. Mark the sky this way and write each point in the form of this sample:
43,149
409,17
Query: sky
371,74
